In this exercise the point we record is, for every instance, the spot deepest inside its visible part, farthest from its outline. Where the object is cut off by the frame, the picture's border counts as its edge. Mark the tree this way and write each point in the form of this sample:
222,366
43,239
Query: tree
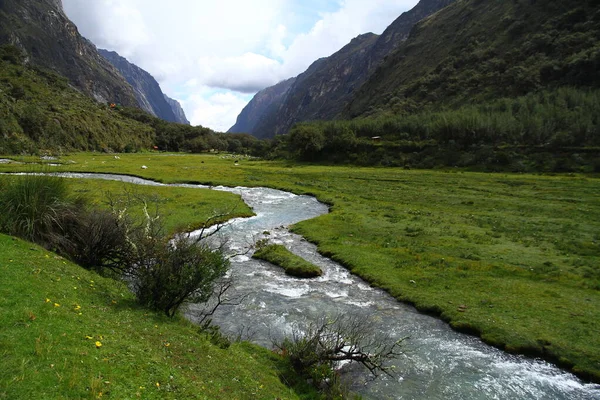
316,350
306,141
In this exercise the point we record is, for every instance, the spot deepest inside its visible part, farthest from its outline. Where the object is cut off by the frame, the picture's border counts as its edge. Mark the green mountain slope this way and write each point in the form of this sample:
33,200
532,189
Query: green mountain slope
39,110
43,32
476,50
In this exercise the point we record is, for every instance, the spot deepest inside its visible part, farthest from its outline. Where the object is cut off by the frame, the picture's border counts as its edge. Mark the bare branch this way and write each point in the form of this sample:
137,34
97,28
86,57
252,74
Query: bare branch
344,338
219,299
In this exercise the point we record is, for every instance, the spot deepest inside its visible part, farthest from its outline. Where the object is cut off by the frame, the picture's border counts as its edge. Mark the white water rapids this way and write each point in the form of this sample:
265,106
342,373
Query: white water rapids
437,363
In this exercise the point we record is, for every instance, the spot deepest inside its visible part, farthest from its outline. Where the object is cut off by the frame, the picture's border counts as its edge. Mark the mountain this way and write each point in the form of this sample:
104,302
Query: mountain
41,112
177,110
263,103
147,90
319,92
323,91
49,39
478,51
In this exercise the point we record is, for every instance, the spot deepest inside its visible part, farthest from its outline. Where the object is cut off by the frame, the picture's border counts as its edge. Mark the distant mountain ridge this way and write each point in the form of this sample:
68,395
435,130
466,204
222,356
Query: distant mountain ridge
147,90
177,110
261,105
325,88
49,39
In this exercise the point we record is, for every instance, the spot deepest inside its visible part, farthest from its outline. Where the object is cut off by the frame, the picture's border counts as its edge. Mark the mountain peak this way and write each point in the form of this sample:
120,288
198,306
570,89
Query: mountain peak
329,83
147,90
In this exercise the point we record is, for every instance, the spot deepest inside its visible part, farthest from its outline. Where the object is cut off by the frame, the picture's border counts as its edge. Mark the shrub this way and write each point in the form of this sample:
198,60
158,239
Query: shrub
317,349
35,207
96,239
167,274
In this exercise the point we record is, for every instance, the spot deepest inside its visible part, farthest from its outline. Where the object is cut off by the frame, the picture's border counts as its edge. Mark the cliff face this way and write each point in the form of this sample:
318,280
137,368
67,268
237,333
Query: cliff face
329,84
147,90
177,110
262,104
400,29
49,39
321,91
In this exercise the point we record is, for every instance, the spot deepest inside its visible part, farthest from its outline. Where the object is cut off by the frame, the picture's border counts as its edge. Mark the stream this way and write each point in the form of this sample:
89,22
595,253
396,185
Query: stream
437,362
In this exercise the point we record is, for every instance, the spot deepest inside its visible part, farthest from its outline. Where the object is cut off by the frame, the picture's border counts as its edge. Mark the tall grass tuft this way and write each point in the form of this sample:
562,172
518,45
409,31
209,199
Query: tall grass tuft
34,206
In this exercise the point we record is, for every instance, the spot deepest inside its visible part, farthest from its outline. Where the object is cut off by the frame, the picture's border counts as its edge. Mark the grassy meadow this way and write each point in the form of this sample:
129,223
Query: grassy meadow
510,257
68,333
292,264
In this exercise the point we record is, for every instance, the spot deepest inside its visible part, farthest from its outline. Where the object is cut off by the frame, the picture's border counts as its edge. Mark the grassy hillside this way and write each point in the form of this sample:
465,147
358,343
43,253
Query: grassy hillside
40,111
475,51
490,85
71,334
520,251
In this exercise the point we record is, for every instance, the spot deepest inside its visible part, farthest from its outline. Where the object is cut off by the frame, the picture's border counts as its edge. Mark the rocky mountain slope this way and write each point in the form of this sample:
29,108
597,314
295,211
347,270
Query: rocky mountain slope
147,90
262,104
319,92
329,84
49,39
177,110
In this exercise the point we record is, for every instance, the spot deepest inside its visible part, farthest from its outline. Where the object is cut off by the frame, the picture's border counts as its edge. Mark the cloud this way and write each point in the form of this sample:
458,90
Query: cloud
247,73
215,108
241,46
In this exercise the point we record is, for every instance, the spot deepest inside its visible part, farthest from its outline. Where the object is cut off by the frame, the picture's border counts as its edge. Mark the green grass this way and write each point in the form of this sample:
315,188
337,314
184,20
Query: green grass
55,314
520,251
182,209
292,264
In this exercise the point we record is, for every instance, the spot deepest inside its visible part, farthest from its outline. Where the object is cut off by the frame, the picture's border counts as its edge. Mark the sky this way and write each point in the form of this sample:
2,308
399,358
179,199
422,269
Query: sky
213,56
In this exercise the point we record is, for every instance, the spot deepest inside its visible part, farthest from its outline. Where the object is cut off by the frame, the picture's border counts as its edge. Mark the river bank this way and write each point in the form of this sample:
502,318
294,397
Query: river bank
516,250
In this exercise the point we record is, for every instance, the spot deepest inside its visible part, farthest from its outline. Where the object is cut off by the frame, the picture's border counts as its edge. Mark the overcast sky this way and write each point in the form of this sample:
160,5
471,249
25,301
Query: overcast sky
213,56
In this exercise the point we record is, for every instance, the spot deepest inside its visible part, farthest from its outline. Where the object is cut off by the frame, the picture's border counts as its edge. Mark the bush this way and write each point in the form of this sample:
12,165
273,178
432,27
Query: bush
36,207
167,274
96,239
317,349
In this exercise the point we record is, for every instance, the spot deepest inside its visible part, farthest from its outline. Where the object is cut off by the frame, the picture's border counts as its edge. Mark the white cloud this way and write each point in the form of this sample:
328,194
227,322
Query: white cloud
217,110
237,45
247,73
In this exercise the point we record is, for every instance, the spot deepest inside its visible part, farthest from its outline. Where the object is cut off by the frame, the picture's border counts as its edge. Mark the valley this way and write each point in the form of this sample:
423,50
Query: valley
507,257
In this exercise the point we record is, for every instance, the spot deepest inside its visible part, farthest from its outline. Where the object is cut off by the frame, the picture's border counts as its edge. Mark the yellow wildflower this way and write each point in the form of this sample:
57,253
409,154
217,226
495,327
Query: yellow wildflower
56,305
98,344
47,300
157,384
88,337
77,307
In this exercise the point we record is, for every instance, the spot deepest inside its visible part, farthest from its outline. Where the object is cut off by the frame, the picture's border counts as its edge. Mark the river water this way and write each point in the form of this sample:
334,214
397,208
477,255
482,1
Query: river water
437,363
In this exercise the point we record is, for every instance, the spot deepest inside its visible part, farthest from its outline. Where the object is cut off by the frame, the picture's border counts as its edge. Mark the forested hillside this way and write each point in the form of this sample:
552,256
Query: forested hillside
475,51
41,113
493,85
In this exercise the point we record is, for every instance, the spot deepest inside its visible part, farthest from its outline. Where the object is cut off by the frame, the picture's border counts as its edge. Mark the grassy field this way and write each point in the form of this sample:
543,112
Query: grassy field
512,258
292,264
181,208
68,333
